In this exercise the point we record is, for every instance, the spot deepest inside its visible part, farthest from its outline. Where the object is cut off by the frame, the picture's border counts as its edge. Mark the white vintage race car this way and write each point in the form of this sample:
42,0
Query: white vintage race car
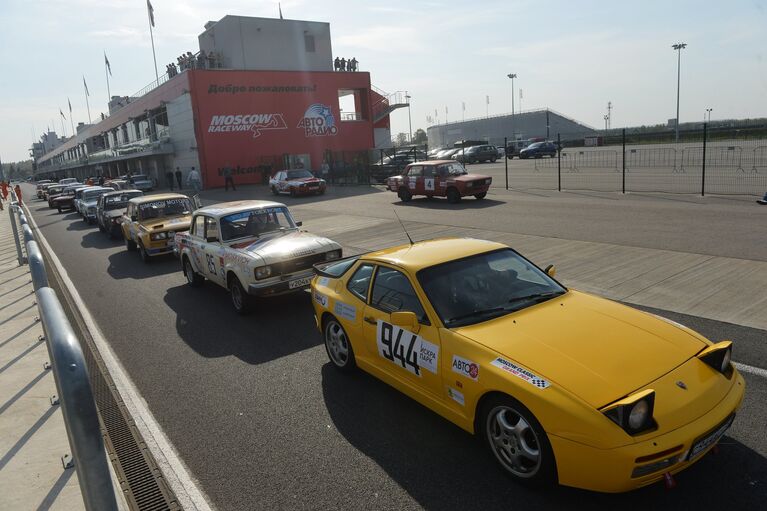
251,248
296,182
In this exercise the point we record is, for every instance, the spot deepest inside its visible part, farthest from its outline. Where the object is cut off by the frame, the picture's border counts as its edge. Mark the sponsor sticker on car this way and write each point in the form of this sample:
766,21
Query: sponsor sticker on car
520,373
465,367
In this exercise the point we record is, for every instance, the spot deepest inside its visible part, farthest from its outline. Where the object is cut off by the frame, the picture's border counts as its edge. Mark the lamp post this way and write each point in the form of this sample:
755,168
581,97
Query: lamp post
409,121
606,118
678,47
708,110
512,76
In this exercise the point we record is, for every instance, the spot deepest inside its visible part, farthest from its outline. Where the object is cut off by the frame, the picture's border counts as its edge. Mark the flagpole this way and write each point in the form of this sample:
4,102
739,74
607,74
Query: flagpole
151,36
64,131
87,104
106,73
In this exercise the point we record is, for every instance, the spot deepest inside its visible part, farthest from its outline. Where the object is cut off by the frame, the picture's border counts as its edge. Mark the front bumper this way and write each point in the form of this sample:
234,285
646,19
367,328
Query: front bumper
474,190
307,190
281,285
610,470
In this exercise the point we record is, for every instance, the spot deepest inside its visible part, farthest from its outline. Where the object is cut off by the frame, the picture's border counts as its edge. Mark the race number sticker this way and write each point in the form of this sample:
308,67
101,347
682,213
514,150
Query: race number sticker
321,299
520,372
345,311
429,183
406,349
465,367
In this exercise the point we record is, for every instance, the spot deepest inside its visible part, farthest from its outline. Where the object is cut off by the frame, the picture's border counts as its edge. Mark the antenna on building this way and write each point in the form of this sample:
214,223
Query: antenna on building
279,6
403,228
609,114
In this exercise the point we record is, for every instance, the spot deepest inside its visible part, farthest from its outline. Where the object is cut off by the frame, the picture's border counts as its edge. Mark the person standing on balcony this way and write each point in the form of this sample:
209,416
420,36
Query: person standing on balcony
337,64
202,60
353,64
178,177
169,179
343,64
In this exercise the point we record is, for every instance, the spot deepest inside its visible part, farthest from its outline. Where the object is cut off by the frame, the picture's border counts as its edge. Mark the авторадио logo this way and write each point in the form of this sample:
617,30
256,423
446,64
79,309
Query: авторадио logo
318,121
249,122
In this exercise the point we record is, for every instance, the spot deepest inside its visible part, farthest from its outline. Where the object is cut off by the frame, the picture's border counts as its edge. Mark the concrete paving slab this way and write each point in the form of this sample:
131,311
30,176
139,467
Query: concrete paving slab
32,433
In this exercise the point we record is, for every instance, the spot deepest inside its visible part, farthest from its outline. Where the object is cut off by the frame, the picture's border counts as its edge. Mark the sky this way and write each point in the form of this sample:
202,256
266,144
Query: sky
572,57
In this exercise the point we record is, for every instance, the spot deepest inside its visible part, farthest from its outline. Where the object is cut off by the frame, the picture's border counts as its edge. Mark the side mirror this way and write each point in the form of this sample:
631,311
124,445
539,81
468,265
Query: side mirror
299,224
551,271
407,320
211,239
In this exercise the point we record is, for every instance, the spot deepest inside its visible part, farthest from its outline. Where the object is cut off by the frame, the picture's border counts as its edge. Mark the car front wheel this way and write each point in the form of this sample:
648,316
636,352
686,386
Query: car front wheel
129,244
145,257
338,347
404,194
479,196
193,278
518,442
240,299
453,197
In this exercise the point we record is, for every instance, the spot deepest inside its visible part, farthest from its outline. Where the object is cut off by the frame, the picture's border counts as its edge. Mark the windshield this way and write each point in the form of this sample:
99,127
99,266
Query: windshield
55,189
119,200
94,194
140,177
535,145
485,286
299,174
165,208
255,222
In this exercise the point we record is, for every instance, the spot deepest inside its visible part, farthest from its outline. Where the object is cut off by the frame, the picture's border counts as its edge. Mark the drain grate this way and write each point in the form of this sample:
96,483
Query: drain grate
139,477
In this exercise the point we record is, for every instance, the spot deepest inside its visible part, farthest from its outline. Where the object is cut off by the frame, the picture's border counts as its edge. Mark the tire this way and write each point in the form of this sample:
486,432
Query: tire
274,191
59,208
193,278
240,299
404,194
453,197
518,442
130,245
492,160
480,196
292,192
337,346
145,257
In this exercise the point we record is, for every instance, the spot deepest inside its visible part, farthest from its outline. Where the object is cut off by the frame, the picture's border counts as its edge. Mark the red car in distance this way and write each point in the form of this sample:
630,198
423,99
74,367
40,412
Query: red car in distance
296,182
439,178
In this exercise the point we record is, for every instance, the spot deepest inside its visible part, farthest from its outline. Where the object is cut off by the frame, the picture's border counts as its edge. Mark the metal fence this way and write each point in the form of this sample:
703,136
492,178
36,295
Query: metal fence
703,163
71,375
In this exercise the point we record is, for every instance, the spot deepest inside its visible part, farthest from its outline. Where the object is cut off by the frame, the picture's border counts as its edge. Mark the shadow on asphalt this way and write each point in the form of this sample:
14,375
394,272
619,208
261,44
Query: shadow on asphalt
442,203
277,327
97,239
263,192
128,265
430,457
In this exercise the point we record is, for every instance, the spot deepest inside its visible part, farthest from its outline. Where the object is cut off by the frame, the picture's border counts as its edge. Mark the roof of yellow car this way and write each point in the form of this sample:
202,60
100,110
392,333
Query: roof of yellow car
159,196
427,253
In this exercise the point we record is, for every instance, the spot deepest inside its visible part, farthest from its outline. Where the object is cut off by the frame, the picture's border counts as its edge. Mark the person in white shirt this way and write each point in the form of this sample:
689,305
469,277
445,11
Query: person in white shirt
194,180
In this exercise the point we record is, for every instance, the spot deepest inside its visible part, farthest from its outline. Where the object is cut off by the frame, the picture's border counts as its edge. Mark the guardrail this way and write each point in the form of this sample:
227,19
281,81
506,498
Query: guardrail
71,375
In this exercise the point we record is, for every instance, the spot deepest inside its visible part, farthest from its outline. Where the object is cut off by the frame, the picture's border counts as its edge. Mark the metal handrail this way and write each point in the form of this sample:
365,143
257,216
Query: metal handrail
70,372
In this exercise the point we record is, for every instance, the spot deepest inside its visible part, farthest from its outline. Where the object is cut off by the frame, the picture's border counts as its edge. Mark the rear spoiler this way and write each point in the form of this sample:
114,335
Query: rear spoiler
320,268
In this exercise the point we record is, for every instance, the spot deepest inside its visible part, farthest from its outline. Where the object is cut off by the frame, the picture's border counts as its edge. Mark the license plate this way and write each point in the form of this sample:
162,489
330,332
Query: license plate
293,284
707,441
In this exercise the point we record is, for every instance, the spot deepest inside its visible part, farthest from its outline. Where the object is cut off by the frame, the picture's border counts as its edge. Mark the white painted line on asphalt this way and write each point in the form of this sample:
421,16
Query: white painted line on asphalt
758,371
177,475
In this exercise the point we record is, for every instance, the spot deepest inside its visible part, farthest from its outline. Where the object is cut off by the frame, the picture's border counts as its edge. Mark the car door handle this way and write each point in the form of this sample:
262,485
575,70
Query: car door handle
370,319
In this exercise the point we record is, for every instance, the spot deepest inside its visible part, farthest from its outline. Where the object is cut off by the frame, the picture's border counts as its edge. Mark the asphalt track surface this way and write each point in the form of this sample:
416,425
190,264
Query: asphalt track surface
264,422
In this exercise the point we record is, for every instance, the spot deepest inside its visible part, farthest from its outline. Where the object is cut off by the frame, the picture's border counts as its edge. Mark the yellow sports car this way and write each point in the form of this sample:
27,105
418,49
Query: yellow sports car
563,386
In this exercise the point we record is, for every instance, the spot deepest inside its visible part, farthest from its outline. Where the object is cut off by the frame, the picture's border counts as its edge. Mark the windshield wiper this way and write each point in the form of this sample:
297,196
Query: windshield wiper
480,312
535,296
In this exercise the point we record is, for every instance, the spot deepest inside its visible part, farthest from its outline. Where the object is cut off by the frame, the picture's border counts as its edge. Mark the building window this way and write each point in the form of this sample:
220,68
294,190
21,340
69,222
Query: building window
309,43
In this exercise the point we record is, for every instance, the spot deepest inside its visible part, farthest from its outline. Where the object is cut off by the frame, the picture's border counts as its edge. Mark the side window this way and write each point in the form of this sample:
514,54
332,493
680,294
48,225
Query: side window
359,282
415,171
392,292
198,228
211,228
428,171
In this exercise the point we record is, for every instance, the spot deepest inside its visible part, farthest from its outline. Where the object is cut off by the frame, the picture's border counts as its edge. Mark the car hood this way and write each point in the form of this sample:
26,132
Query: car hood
176,223
470,177
277,247
595,348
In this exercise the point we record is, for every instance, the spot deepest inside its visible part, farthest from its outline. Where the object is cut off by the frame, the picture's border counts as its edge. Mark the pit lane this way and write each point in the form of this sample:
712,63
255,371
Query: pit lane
263,421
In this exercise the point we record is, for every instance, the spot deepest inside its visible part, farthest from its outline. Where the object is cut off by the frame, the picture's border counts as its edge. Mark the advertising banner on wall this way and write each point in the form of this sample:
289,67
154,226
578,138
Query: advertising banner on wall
257,122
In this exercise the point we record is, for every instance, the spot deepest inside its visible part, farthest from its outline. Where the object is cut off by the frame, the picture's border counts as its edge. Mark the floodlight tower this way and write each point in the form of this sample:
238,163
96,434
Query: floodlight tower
678,47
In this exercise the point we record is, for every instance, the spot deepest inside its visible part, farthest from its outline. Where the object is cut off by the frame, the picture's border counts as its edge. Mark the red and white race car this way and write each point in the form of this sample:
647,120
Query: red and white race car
296,182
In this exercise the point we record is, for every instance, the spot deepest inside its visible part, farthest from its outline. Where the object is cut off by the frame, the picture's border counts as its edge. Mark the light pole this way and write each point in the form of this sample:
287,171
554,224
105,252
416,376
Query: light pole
606,118
512,76
678,47
708,110
409,121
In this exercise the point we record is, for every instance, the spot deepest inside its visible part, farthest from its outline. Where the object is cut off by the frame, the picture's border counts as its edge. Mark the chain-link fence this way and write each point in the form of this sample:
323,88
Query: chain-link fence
715,161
